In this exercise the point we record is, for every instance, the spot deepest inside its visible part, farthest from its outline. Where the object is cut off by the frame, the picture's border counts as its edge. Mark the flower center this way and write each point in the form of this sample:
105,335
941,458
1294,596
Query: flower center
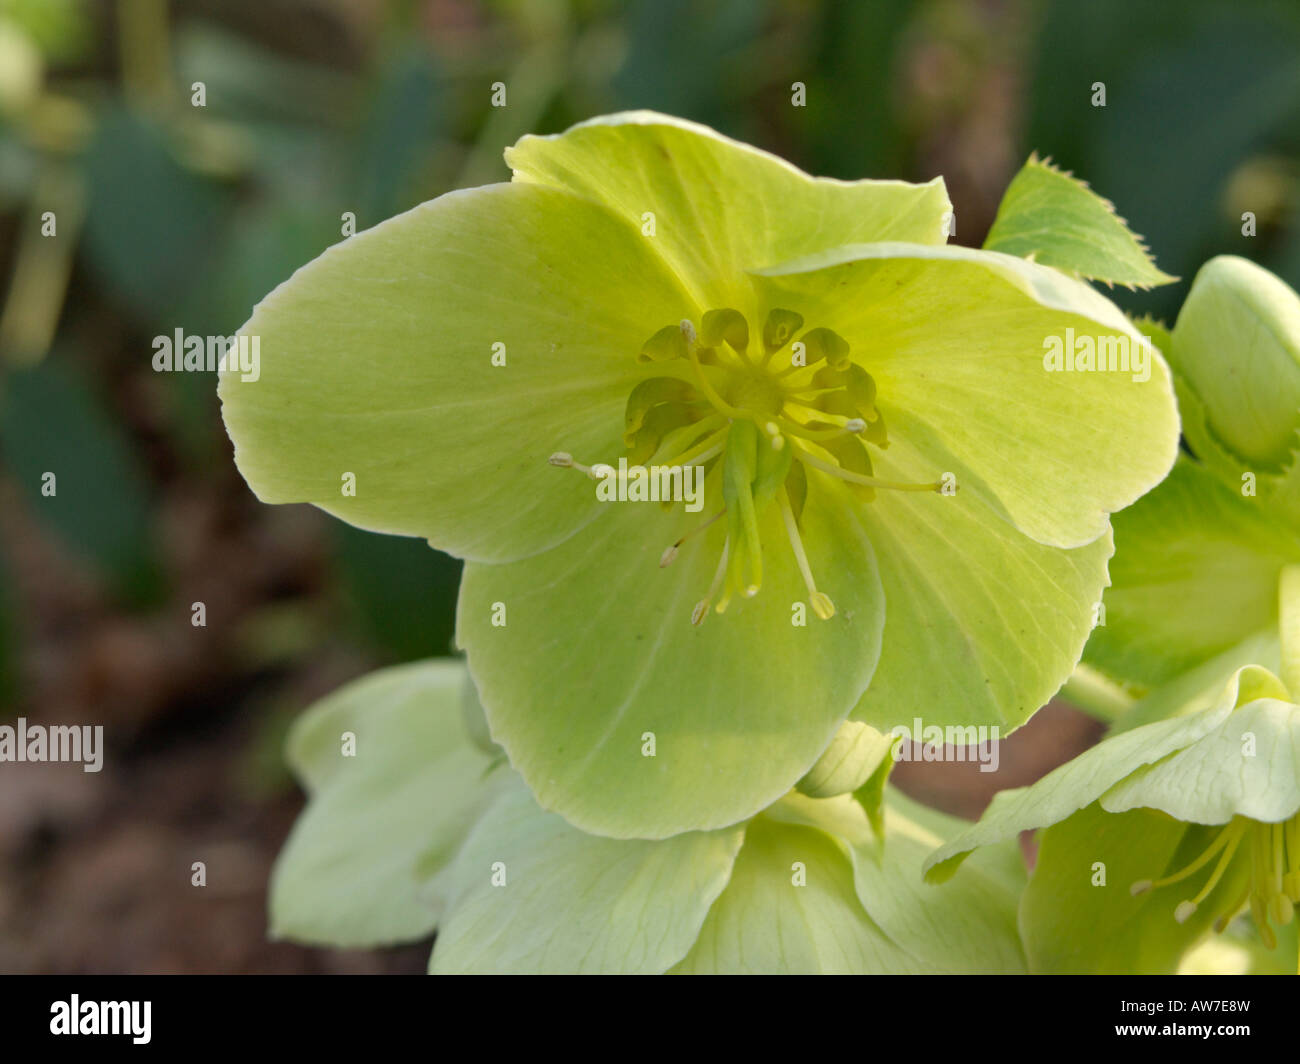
755,392
1273,889
761,413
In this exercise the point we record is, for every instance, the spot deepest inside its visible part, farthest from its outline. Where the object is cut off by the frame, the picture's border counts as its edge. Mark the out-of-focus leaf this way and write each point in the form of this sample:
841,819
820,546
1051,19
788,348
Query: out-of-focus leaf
397,134
244,80
1186,98
51,422
151,225
695,83
404,592
856,61
8,681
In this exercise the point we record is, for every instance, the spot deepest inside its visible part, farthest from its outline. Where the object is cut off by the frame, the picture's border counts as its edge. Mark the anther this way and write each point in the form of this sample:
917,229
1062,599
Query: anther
701,609
1224,845
779,327
820,601
670,554
564,460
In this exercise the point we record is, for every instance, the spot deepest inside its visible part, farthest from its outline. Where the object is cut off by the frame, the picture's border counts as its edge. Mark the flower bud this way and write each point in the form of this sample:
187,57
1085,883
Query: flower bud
853,755
1237,344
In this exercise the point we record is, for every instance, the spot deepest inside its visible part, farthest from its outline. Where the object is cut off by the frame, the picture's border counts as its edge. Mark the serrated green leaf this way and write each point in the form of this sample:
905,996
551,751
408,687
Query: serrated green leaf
1054,218
1154,330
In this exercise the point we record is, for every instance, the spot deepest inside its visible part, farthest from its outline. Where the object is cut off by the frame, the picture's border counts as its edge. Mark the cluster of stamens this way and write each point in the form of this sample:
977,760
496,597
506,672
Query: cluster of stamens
1273,887
761,417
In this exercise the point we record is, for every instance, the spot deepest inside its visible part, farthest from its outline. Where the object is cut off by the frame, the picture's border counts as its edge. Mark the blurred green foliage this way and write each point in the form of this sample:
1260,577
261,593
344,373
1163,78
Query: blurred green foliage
81,476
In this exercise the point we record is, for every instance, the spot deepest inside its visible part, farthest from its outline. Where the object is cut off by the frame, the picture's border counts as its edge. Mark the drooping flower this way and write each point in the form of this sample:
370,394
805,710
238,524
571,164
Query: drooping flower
899,505
414,828
1160,832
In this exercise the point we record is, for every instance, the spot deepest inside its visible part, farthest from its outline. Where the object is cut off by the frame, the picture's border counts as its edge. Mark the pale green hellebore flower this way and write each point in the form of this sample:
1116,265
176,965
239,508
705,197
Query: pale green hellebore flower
414,828
645,285
1205,804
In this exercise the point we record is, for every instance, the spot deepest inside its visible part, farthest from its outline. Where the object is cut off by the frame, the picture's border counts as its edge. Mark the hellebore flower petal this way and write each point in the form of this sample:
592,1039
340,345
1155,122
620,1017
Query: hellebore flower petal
966,341
410,826
377,360
597,658
528,893
956,643
1249,765
720,207
815,890
1083,780
769,920
1079,916
394,786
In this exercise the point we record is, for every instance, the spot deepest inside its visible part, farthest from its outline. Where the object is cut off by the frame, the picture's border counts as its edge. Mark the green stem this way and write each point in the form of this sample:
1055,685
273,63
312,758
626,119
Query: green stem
1288,614
1096,695
42,267
145,47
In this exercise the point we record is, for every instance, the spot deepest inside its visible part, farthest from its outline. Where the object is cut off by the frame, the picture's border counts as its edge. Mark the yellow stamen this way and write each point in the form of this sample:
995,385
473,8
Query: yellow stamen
1231,834
852,427
670,555
1225,917
820,602
708,448
774,436
702,607
859,478
711,393
1185,910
